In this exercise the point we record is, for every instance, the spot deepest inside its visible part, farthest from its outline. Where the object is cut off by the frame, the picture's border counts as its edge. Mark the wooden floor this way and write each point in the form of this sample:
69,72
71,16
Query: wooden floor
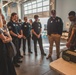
37,65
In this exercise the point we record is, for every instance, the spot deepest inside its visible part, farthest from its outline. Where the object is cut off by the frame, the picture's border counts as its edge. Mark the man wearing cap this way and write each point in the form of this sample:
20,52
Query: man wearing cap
54,32
36,35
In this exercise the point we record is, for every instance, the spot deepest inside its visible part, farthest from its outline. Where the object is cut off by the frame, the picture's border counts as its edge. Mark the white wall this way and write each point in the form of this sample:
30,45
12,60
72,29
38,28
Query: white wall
63,7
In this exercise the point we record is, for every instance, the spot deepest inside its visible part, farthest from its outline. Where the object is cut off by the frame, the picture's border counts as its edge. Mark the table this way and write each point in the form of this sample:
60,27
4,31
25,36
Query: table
63,67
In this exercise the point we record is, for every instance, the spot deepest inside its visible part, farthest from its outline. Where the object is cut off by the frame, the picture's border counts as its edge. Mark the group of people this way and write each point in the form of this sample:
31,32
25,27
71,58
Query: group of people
17,30
23,30
55,29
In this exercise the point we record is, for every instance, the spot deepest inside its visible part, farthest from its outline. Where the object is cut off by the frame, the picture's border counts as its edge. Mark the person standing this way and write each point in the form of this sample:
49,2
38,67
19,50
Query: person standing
54,32
30,21
19,33
26,30
6,65
13,29
71,43
36,35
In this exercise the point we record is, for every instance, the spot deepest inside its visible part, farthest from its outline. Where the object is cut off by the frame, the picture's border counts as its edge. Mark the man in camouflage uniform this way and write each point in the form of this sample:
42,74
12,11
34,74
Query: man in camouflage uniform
71,43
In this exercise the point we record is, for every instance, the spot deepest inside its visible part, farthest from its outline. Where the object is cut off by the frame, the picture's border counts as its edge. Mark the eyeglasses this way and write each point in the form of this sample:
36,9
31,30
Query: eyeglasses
71,17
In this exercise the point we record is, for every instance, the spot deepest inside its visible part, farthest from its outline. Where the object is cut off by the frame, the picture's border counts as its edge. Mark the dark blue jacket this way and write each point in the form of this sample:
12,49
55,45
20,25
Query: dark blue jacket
54,26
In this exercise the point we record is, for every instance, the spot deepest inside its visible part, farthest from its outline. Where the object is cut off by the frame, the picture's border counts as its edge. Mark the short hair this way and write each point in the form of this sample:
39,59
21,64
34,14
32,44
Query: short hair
25,17
53,11
36,16
19,20
13,14
72,13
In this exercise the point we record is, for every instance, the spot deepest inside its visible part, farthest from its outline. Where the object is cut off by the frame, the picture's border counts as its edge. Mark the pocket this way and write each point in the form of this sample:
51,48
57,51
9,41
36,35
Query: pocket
58,35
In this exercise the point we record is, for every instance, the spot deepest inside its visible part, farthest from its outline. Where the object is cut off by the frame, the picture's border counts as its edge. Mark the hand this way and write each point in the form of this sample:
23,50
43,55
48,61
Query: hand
68,44
19,36
24,37
7,40
38,36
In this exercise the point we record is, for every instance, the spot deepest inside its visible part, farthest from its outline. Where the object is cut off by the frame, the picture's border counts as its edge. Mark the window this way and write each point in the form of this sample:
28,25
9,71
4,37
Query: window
46,8
25,5
34,6
34,11
39,0
34,2
39,4
26,12
29,7
29,11
25,8
45,3
39,10
29,4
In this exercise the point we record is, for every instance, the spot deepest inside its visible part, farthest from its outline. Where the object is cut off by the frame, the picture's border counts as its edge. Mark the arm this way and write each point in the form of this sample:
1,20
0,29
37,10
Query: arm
12,33
4,38
48,27
22,34
71,37
22,31
61,26
34,32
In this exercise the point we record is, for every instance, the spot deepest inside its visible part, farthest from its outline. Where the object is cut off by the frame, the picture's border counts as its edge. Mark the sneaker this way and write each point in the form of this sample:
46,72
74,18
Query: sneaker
57,57
31,52
44,54
21,56
48,57
24,54
35,54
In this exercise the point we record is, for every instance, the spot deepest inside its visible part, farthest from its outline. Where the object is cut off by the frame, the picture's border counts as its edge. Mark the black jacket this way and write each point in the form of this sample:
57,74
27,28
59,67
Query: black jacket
54,26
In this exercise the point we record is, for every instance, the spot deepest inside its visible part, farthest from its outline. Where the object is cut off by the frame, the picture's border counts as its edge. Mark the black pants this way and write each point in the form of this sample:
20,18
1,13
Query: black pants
40,44
19,46
16,43
29,44
6,64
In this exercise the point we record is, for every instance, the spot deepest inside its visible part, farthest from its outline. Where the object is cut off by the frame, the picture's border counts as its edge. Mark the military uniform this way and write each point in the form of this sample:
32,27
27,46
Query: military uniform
36,26
26,28
73,41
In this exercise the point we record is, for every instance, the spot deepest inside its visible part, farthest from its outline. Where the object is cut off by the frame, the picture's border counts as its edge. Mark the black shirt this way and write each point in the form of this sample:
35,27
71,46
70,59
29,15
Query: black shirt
20,25
12,26
54,26
26,28
36,26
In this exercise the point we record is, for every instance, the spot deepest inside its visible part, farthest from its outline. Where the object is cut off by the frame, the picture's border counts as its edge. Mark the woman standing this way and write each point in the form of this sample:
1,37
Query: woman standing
6,65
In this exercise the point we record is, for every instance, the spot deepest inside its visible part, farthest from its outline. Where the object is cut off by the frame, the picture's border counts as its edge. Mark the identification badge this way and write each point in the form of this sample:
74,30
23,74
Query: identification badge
39,27
16,25
58,20
29,25
39,24
51,21
13,24
9,27
25,26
